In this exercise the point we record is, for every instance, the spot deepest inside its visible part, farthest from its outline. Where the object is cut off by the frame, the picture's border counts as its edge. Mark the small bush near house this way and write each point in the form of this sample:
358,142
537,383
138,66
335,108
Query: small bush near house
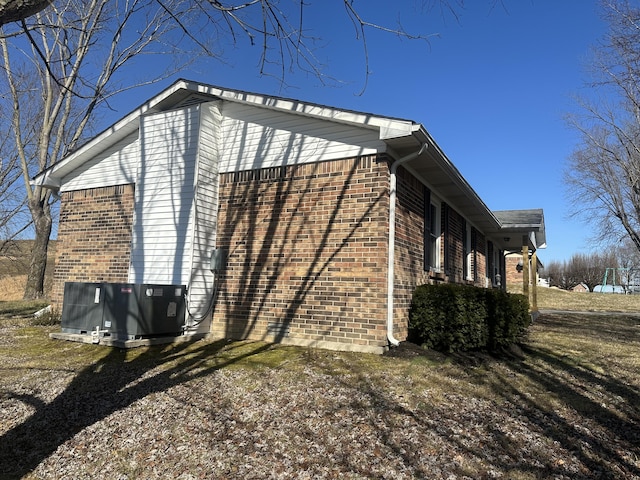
452,318
507,318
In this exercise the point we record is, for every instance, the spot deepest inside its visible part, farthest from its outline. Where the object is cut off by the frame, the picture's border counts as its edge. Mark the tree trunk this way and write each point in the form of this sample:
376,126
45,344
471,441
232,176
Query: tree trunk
14,10
41,214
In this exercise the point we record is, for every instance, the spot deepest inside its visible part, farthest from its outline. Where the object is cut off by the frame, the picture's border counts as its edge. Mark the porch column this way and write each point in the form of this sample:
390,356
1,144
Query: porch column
525,271
534,281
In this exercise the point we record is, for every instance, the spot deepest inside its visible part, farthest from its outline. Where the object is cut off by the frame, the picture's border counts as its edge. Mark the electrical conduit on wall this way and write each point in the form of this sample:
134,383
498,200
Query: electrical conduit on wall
392,239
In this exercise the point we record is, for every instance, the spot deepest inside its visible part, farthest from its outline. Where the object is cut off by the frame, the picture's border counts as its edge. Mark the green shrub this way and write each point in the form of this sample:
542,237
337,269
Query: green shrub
452,317
507,318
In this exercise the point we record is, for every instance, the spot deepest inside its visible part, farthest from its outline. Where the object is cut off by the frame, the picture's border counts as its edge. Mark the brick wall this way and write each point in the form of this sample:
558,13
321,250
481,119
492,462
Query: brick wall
307,254
514,277
409,268
94,237
480,259
307,249
409,251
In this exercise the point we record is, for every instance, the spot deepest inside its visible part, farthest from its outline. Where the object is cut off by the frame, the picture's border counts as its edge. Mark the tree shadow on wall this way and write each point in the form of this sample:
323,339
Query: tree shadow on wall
277,243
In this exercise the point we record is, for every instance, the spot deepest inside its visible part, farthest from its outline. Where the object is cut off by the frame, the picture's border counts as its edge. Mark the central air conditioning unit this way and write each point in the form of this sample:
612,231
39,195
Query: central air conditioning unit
125,311
135,311
82,307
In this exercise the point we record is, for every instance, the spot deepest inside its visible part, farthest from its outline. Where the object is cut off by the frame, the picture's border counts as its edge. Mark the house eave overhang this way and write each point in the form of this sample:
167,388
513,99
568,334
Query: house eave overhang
387,127
439,174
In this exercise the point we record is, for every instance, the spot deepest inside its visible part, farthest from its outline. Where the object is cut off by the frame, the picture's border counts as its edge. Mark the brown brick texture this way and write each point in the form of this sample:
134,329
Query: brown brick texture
454,251
94,237
409,249
307,253
307,250
409,252
514,277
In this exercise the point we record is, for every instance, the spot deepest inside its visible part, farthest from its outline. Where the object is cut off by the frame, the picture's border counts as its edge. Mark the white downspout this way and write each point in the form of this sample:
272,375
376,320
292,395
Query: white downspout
392,239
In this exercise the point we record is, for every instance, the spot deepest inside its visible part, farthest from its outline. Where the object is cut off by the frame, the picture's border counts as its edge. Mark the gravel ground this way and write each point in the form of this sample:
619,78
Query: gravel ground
251,411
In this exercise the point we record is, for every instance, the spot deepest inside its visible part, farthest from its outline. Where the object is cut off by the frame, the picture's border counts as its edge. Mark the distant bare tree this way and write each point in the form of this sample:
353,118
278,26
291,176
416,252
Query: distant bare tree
591,269
14,218
57,69
628,259
560,275
60,66
552,271
603,174
581,268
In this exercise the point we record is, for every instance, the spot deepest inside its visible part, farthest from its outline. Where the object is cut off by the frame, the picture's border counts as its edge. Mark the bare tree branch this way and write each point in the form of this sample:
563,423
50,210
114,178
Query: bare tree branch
603,173
62,64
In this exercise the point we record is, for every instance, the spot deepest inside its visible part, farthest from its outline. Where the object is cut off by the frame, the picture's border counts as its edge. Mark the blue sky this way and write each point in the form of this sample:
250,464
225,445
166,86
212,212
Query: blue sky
492,88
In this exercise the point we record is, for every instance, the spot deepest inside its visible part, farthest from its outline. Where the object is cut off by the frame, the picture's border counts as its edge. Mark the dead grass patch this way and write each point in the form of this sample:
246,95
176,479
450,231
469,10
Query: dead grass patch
568,409
14,266
12,287
556,299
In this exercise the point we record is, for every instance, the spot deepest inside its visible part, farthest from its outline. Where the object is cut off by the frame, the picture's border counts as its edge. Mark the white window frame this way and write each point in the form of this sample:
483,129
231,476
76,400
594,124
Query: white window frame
435,242
468,254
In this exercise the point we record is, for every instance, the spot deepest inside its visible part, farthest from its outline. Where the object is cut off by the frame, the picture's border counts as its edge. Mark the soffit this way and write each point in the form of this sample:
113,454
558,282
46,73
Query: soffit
436,171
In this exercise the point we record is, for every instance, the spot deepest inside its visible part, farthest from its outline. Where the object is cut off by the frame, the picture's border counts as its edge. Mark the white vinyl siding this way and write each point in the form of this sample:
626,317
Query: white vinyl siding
469,250
201,283
261,138
115,166
175,159
163,213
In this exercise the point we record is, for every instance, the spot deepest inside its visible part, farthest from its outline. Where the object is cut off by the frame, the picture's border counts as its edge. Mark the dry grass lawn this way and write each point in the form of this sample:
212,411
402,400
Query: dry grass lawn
556,299
14,265
567,406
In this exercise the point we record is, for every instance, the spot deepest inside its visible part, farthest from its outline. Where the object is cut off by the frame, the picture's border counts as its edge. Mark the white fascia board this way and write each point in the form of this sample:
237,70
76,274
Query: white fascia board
103,140
538,239
388,127
46,180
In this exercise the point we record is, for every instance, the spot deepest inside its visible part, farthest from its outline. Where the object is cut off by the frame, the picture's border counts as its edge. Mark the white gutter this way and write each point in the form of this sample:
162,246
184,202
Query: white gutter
392,239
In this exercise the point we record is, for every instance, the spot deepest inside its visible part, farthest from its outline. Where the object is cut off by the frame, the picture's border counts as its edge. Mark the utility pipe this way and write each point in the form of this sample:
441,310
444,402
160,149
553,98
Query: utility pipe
392,239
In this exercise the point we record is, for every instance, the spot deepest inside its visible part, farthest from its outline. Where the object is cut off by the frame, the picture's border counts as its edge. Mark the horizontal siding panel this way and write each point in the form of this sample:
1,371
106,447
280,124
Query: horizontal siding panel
176,158
208,190
259,138
166,190
115,166
203,294
206,197
207,175
162,205
172,180
204,235
166,254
